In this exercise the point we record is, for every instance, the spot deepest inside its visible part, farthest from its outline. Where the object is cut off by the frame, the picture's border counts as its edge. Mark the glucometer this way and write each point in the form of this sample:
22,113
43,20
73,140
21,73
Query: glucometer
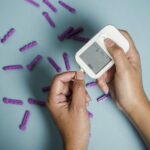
94,58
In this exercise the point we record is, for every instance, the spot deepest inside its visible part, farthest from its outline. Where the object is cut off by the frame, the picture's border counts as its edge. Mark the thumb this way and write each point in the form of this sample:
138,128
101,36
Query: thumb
79,92
118,55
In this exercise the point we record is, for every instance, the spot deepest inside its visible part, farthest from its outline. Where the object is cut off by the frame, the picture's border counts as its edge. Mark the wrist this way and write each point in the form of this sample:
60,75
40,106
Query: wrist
75,146
72,147
136,107
139,116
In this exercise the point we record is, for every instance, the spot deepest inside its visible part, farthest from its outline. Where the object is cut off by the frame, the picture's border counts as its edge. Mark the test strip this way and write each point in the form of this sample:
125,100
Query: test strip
80,39
23,125
75,32
50,5
32,2
8,35
49,19
46,89
54,64
90,114
28,46
65,33
12,101
104,97
91,84
66,6
66,60
34,62
12,67
32,101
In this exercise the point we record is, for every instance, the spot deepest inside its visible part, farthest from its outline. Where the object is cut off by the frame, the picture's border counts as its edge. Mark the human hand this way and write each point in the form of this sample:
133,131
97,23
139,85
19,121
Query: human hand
124,80
69,112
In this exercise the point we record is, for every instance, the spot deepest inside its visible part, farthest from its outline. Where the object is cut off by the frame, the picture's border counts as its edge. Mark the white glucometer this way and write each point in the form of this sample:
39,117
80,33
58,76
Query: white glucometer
94,58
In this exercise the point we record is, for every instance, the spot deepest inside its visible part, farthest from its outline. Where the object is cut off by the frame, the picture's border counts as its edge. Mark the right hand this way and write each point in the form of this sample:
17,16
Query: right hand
124,80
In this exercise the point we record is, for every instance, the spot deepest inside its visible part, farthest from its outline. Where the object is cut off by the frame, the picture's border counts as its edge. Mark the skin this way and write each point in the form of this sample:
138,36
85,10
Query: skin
123,81
69,112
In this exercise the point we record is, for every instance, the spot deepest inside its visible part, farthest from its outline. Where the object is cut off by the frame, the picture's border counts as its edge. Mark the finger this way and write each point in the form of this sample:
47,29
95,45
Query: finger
65,89
60,83
60,100
79,92
110,74
88,98
118,55
103,84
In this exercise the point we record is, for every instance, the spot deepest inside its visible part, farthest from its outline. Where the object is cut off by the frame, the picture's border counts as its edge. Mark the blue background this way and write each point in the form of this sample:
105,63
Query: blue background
110,128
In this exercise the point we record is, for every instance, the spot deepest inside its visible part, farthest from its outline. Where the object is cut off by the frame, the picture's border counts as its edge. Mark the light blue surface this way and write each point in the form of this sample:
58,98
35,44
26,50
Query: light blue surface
110,129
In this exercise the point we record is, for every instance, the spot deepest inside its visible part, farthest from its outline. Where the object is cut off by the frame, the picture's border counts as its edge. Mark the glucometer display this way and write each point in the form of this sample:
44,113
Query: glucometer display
95,57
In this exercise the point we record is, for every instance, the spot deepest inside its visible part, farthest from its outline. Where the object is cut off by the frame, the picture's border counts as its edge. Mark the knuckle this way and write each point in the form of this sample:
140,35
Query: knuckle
78,85
79,88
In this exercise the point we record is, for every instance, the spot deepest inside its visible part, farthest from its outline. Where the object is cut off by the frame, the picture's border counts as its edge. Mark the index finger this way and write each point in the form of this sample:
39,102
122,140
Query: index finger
59,82
79,92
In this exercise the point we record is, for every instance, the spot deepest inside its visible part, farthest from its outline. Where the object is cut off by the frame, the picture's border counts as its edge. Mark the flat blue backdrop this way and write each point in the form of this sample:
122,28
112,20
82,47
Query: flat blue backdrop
110,128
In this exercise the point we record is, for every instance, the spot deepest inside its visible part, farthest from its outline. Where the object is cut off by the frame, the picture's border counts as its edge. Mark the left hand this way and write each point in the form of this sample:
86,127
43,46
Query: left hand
70,112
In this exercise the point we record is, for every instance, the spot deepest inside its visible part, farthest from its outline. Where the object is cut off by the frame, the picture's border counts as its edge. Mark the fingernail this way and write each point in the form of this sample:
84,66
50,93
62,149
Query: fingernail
106,90
108,42
79,75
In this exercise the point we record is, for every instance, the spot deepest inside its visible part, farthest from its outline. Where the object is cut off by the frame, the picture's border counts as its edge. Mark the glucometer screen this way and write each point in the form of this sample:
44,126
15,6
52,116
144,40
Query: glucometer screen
95,57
